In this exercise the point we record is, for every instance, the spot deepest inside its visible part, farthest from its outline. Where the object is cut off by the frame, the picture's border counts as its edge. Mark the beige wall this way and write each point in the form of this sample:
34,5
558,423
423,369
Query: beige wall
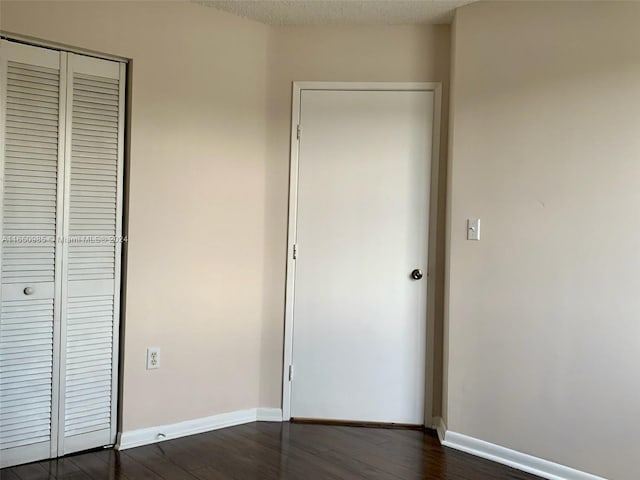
365,54
211,103
543,312
197,176
542,331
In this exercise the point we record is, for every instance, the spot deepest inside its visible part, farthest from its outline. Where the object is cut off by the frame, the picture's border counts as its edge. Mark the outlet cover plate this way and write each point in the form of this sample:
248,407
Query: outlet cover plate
153,358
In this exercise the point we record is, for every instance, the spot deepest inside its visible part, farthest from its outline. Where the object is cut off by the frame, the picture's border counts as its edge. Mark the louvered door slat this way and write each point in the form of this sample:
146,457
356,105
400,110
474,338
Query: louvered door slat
30,160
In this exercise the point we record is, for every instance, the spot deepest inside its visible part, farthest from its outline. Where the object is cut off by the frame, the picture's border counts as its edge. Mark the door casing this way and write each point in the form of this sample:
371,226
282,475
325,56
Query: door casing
298,87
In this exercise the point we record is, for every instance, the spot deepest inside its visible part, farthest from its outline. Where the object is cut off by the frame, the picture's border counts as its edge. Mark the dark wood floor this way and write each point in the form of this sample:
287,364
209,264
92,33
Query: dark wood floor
269,451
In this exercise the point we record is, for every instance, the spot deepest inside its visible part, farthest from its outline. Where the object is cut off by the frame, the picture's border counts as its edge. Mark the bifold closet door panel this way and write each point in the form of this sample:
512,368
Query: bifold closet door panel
32,107
91,256
61,126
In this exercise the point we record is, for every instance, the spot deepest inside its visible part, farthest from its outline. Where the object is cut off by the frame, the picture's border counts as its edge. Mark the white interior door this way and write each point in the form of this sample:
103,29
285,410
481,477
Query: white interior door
359,328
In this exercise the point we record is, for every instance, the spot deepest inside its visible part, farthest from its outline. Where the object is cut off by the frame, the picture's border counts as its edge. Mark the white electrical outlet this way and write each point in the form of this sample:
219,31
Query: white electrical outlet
153,358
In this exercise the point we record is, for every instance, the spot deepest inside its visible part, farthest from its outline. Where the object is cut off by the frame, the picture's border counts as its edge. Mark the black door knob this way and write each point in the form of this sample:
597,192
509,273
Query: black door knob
416,274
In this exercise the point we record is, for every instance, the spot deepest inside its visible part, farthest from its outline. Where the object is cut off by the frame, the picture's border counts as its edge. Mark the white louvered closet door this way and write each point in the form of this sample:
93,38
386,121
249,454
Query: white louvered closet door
32,108
61,126
91,255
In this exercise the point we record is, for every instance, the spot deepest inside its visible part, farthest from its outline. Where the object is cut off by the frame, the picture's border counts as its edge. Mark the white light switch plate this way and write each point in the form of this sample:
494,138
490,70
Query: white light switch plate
473,229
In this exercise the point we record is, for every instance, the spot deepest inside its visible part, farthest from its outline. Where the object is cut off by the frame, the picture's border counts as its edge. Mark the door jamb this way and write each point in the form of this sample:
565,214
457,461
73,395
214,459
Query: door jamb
298,87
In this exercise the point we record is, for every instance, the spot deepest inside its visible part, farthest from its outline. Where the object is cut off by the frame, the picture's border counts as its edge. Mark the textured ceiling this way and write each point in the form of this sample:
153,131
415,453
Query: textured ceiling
341,12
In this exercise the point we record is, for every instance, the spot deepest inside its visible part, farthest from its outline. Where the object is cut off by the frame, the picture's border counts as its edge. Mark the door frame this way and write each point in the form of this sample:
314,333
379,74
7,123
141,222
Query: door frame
298,88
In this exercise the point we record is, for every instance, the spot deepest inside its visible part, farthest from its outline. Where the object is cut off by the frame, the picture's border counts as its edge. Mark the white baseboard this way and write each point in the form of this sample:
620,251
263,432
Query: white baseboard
518,460
440,427
269,414
146,436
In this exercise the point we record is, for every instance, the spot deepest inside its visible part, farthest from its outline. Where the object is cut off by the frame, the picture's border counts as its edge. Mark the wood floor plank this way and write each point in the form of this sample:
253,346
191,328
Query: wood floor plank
278,451
154,459
32,471
296,462
8,474
64,468
96,466
131,469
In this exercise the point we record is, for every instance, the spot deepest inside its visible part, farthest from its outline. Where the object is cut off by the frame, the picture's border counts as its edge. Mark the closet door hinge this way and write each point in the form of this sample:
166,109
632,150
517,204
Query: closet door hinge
295,251
290,372
298,132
